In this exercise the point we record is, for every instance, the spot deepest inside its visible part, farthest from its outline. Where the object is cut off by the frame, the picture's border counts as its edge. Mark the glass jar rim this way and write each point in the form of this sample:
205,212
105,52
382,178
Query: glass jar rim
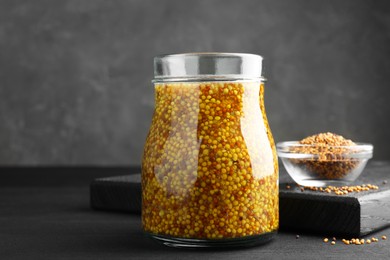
208,66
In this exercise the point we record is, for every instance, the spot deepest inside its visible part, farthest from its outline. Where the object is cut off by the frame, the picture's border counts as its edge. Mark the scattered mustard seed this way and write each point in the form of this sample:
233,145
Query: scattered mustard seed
344,190
345,241
333,242
357,241
326,240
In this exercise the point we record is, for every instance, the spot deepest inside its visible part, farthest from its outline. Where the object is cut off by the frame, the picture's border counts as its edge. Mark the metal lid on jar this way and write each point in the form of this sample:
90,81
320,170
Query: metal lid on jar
207,66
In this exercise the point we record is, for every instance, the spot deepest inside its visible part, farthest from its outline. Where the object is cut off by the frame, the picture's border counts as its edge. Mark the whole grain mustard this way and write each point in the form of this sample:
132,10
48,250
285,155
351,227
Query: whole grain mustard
209,168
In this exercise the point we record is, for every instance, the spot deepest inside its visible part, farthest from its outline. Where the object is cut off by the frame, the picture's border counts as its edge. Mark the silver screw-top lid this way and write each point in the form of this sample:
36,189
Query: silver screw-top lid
206,66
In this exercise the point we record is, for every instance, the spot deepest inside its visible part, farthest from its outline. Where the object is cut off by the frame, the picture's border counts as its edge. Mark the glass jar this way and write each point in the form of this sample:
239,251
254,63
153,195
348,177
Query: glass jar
209,169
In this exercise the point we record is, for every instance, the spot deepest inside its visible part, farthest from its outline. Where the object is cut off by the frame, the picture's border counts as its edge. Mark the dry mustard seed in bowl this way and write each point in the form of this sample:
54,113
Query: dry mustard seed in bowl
324,159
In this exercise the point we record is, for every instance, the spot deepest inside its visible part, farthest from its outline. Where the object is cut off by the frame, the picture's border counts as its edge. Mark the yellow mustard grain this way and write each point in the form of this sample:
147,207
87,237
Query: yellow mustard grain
207,172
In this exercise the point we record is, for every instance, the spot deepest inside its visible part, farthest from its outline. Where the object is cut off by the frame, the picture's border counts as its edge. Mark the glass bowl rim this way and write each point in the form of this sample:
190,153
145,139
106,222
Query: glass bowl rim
365,151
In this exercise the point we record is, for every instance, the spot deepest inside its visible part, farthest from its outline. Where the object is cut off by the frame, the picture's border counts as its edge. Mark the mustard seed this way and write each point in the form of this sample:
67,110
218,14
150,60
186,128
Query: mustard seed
345,189
200,177
326,240
327,147
333,242
345,241
384,237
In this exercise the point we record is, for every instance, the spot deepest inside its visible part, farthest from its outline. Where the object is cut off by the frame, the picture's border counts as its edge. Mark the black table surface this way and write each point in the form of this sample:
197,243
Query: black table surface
45,214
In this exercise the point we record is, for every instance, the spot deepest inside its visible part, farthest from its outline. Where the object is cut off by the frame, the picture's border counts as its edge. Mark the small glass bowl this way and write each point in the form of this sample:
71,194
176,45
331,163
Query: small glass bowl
316,165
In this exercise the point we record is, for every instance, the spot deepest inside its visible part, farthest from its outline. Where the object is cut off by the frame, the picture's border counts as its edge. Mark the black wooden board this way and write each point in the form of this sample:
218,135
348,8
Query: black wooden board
120,193
355,214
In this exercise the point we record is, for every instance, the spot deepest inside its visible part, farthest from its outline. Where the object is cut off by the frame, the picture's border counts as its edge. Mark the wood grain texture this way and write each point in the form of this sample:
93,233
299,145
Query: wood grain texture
45,214
355,214
113,193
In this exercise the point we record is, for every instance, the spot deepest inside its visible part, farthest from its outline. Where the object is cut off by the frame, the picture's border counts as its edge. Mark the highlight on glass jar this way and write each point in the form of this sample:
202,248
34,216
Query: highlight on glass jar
210,168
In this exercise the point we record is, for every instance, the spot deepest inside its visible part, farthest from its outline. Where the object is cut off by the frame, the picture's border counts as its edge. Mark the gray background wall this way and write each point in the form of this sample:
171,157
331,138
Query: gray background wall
75,74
